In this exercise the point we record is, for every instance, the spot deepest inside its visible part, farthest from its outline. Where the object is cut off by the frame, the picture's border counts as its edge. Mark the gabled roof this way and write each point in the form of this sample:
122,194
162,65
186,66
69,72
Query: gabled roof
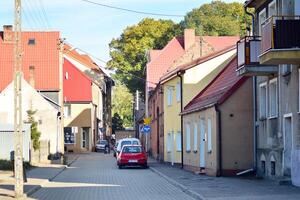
43,55
196,62
218,90
77,85
83,59
163,59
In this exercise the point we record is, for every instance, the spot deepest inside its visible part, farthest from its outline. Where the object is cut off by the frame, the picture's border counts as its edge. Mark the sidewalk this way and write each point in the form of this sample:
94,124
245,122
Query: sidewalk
36,178
205,187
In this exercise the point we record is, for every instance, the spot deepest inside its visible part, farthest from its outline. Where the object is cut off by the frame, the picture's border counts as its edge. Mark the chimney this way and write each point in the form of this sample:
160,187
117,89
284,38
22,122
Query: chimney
8,34
189,38
31,76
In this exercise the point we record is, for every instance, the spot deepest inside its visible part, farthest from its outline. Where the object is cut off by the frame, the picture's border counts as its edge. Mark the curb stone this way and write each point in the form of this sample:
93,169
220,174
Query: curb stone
178,185
35,189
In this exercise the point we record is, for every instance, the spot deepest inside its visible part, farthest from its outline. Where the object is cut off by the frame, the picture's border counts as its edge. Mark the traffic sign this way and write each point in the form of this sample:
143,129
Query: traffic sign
146,129
147,120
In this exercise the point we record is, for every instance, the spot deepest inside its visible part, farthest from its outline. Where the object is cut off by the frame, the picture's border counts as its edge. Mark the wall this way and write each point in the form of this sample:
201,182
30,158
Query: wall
157,123
46,114
171,120
237,130
191,159
81,116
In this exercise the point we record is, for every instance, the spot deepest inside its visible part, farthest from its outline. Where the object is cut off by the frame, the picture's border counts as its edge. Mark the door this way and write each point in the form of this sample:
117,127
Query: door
85,138
202,144
288,143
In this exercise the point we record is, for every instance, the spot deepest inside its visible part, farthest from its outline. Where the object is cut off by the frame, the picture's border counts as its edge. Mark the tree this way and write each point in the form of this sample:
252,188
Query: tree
117,123
217,18
35,134
128,52
122,104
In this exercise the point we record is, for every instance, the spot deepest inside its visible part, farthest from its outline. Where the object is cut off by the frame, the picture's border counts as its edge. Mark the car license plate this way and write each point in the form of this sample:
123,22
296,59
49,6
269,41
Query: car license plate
132,161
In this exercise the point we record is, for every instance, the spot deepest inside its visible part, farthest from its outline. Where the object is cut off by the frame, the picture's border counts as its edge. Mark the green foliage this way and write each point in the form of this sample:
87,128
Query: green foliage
122,104
128,52
117,122
218,18
35,134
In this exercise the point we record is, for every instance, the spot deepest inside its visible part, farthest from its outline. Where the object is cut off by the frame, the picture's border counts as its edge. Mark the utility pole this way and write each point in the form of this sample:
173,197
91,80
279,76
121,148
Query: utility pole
18,131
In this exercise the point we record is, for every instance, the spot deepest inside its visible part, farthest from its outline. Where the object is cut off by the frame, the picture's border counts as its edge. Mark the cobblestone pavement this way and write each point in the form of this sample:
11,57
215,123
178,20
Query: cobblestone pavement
96,176
226,188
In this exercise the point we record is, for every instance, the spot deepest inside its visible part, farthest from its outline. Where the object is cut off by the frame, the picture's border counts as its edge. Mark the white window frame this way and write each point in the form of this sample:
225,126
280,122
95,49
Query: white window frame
263,115
178,141
178,92
195,137
188,137
209,135
169,96
270,103
269,6
169,139
260,22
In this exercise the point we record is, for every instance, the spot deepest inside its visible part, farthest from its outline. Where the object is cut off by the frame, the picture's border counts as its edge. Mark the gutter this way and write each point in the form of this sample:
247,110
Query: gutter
180,74
254,81
219,134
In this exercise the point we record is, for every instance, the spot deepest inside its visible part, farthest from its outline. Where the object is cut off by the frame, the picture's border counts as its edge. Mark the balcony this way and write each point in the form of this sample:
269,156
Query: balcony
248,50
280,40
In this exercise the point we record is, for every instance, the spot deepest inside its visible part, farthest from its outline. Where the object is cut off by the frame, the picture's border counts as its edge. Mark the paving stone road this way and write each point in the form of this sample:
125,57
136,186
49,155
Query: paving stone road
96,176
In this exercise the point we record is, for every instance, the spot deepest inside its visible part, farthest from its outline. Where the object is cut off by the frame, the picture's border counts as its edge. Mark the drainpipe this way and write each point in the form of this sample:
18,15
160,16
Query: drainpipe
254,81
219,134
180,74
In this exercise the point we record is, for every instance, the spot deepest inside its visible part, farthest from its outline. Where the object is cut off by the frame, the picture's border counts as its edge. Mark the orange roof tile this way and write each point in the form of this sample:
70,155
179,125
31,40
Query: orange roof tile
43,55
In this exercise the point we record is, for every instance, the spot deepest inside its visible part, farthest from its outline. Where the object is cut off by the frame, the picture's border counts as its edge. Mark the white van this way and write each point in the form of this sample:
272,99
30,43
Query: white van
127,141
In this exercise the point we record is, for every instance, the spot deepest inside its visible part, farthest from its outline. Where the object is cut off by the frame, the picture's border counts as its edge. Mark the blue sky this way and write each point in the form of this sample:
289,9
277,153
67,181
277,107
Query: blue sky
88,26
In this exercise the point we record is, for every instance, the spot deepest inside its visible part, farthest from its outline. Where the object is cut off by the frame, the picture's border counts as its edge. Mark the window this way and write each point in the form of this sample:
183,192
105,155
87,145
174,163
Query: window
169,142
169,96
178,141
31,41
195,137
67,110
273,169
67,76
178,92
272,9
273,107
263,167
188,138
263,100
262,16
209,142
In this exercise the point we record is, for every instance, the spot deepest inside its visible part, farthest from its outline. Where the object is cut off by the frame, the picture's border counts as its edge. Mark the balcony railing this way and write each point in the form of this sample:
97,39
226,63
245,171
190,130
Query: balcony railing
280,32
248,50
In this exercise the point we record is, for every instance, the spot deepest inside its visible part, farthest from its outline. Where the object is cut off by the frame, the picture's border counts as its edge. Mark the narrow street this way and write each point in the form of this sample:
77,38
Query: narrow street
96,176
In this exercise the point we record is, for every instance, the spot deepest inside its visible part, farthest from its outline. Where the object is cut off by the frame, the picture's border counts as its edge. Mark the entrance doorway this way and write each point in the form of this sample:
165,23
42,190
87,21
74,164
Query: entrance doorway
85,138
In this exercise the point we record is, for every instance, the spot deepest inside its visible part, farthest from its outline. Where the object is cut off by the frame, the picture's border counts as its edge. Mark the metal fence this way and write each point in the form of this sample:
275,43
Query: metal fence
7,141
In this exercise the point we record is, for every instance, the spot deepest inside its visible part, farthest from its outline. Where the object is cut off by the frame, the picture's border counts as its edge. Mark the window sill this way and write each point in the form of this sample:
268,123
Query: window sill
195,151
210,151
188,151
178,150
262,118
273,117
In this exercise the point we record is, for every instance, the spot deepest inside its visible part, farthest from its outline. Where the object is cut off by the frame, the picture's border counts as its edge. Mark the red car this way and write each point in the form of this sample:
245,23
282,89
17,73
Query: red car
132,155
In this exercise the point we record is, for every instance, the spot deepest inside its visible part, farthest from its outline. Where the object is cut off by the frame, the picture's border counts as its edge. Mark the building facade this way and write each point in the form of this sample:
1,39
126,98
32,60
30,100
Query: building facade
274,53
217,134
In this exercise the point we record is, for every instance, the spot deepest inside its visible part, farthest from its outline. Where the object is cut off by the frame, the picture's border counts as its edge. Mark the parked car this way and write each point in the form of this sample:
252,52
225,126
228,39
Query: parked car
132,155
126,141
102,145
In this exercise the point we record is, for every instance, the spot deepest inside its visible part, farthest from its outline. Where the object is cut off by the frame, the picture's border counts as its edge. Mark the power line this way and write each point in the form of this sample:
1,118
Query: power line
41,2
133,11
103,61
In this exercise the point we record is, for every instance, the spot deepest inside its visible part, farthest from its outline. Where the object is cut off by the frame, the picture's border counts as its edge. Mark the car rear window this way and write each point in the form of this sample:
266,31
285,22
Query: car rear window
132,150
135,142
125,143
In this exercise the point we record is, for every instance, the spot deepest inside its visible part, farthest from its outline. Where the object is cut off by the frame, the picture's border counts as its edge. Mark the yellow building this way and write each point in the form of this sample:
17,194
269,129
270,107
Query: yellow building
190,78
